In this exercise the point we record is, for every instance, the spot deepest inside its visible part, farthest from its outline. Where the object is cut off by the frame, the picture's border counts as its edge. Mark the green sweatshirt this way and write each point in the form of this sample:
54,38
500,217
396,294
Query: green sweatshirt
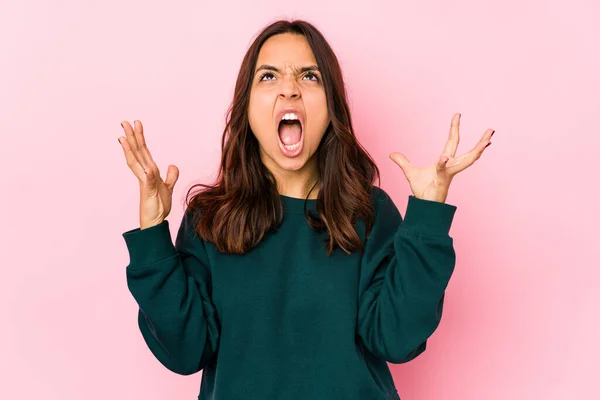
285,321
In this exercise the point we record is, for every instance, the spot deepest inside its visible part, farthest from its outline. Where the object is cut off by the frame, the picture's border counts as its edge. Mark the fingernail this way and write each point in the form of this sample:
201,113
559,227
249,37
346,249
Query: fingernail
492,133
487,144
122,125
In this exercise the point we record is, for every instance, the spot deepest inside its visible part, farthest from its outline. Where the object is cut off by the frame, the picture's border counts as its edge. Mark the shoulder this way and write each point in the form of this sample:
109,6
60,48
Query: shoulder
387,219
378,193
188,232
383,204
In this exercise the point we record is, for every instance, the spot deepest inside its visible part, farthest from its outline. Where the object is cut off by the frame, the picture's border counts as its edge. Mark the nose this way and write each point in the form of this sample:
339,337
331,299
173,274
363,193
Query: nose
289,88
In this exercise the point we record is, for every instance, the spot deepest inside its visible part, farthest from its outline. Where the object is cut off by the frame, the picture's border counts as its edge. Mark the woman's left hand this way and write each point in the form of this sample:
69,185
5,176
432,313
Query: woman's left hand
433,181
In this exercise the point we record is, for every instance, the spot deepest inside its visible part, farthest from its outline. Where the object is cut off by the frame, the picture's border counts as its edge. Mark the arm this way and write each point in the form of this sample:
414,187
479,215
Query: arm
171,284
405,269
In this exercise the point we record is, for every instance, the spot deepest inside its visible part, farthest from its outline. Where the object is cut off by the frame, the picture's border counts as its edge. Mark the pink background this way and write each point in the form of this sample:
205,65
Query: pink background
521,314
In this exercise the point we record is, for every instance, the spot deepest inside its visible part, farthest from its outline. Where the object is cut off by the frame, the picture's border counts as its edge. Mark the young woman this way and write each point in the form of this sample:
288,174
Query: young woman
293,276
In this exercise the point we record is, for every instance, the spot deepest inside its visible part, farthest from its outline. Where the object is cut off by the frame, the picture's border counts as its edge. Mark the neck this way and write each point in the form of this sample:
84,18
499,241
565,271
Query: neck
296,183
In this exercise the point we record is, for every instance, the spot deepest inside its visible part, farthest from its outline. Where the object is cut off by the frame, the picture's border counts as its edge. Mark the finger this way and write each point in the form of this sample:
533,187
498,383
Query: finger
401,161
172,175
132,162
440,166
133,144
467,159
453,137
134,138
145,152
141,141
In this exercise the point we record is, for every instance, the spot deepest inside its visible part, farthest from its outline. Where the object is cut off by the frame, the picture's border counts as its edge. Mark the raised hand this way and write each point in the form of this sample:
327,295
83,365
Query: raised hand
433,181
155,194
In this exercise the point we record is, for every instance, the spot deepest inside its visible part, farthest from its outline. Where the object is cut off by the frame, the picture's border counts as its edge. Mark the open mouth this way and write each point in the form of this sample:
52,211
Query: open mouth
290,137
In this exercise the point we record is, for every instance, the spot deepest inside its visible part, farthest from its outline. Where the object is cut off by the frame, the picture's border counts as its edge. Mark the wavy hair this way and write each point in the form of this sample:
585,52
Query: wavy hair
243,204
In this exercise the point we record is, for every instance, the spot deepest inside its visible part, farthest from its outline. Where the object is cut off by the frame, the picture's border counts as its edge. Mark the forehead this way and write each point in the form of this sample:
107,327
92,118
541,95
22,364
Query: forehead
286,49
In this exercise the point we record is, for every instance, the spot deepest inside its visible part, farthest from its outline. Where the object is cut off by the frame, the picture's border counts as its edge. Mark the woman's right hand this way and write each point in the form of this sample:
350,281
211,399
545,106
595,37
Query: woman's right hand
156,195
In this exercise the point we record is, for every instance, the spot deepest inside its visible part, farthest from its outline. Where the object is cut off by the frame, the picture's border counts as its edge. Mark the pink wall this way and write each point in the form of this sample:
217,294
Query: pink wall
520,321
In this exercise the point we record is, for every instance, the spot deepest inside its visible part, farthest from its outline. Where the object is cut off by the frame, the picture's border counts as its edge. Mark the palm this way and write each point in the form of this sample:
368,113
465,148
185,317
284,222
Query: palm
160,204
165,195
155,194
433,181
424,181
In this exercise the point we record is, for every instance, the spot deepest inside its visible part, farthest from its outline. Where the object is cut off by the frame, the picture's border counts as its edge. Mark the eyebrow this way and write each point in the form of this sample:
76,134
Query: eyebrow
272,68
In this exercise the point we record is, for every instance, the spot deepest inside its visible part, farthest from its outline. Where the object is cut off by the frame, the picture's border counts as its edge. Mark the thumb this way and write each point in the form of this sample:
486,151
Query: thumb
401,161
172,176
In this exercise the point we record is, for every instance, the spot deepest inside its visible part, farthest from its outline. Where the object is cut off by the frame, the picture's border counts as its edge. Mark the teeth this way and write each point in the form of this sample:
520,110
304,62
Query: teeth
290,116
291,146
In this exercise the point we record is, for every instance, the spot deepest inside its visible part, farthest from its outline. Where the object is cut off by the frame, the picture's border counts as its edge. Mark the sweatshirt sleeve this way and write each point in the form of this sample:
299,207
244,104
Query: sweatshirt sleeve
171,285
405,270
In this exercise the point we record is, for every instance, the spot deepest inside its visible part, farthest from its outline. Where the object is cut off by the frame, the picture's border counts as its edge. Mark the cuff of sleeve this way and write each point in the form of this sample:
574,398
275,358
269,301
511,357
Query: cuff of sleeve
429,217
150,245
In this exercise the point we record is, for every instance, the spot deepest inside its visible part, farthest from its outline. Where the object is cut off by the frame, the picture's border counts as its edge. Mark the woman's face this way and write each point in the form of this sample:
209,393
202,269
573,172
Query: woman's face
286,76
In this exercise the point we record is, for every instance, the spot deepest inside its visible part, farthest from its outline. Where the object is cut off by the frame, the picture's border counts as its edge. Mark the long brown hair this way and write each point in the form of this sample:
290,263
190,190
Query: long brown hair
244,204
